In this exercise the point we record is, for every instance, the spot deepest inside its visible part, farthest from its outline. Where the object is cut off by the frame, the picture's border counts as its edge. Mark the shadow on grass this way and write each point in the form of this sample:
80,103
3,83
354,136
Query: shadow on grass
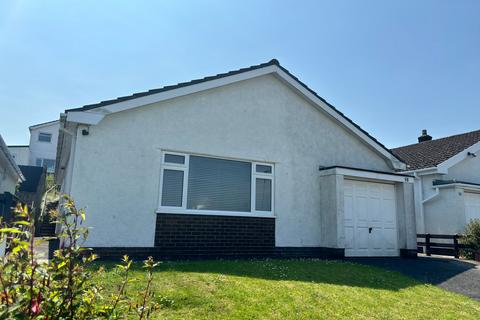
309,271
433,270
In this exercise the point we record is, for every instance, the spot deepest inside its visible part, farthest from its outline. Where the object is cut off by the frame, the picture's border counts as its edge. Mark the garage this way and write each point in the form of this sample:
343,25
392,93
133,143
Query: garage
472,206
370,219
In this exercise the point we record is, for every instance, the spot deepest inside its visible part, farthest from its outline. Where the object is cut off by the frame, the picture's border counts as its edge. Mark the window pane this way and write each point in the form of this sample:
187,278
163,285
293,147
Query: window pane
38,162
46,137
263,169
263,195
217,184
50,164
174,158
172,188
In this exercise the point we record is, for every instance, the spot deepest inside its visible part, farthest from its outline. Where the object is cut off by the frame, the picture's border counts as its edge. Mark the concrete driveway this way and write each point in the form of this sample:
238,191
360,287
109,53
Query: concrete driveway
455,275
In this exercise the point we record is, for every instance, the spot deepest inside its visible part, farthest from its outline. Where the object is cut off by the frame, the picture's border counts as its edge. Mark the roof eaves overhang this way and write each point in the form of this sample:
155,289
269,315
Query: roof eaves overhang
44,124
365,174
5,153
423,171
462,185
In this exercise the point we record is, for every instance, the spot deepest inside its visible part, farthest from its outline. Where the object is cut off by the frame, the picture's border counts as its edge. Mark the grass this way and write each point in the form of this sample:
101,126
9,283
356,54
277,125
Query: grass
293,289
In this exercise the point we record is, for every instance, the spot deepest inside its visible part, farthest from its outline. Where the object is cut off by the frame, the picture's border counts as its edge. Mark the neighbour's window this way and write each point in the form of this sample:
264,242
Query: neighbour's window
49,163
198,184
45,137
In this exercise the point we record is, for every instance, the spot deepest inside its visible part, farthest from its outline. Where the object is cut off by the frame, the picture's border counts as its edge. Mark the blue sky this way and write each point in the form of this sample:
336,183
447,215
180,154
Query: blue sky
393,67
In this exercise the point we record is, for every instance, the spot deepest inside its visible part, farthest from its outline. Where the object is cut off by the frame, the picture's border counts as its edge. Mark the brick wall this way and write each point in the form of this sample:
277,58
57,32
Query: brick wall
185,235
193,236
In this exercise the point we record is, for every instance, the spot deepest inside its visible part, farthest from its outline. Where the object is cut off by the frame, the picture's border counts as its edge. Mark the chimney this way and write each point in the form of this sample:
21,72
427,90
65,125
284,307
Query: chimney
425,136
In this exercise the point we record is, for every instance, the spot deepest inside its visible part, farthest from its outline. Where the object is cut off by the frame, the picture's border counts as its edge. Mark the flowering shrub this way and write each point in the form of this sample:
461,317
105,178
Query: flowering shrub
63,288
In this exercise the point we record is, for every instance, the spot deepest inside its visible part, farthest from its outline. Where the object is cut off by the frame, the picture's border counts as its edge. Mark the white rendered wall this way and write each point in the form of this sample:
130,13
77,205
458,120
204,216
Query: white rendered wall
41,149
20,154
116,167
8,180
467,170
445,214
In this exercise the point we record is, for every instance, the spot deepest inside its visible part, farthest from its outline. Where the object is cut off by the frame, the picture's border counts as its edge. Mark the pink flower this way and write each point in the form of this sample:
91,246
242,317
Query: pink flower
36,309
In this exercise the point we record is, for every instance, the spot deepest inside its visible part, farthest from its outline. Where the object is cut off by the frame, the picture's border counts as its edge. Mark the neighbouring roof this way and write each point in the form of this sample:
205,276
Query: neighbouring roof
223,75
431,153
43,124
32,176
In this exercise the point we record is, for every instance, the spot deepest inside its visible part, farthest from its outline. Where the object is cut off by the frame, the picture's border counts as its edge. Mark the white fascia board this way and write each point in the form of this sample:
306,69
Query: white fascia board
396,163
459,185
368,175
447,164
423,172
45,124
9,161
194,88
85,117
189,89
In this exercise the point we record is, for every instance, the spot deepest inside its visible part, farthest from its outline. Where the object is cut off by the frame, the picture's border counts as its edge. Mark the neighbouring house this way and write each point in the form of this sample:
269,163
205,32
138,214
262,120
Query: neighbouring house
447,181
10,176
246,163
31,190
10,173
21,154
42,150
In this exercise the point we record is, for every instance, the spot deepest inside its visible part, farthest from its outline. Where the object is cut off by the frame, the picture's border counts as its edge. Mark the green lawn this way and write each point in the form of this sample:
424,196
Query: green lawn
294,289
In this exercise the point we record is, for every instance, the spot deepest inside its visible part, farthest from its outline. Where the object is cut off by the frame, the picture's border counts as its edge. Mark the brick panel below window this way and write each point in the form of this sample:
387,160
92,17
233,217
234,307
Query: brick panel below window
193,235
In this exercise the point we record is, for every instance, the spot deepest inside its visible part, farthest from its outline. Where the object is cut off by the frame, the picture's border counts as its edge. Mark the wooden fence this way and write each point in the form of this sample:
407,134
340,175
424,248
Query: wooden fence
441,244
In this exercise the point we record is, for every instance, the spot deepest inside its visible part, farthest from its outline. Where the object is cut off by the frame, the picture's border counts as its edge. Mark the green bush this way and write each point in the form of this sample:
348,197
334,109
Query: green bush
63,288
472,238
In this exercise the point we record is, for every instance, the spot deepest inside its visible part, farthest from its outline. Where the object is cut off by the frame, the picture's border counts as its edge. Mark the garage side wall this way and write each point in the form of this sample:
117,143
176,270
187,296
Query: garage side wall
331,211
406,224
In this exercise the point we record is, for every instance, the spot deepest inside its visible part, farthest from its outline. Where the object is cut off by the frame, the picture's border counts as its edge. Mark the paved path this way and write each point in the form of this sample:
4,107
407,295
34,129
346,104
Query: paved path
41,250
458,276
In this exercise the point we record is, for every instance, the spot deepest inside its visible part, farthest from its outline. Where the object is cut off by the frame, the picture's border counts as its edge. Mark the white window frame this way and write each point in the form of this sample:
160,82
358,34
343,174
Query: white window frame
42,163
45,133
261,175
185,168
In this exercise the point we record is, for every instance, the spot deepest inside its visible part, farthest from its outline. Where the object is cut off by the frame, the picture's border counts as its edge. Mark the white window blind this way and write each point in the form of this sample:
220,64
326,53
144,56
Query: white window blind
198,184
263,195
172,188
217,184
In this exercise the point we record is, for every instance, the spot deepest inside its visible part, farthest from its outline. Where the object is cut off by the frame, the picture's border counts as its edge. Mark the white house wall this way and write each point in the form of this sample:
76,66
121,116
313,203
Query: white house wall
41,149
467,170
8,178
116,167
20,154
445,212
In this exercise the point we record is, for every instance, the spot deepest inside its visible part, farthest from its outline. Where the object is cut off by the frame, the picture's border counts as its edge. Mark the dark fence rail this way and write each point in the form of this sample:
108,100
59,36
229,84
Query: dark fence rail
449,247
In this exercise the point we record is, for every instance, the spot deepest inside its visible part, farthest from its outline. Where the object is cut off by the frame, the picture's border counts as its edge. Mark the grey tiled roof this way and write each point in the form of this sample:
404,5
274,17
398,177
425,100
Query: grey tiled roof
431,153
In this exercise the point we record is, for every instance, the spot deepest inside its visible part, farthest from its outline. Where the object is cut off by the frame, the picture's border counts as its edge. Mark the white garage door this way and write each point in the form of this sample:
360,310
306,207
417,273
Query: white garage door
472,206
370,219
